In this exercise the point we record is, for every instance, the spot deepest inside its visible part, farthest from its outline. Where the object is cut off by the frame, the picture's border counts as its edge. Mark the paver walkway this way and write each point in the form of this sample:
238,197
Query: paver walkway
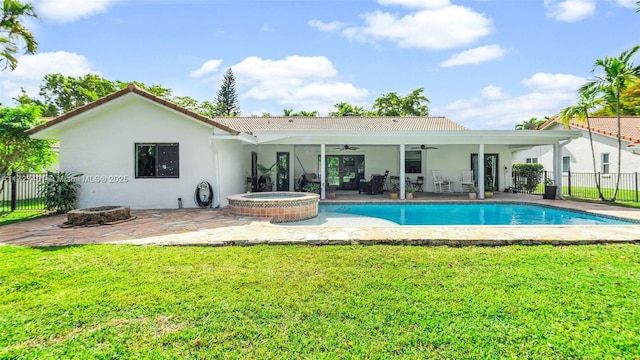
216,227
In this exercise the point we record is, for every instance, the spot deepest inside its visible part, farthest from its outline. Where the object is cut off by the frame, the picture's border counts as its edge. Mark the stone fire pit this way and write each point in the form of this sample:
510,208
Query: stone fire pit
98,215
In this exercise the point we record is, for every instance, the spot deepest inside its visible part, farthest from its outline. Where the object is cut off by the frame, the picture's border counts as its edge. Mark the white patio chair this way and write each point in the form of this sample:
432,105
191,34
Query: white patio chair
467,179
439,184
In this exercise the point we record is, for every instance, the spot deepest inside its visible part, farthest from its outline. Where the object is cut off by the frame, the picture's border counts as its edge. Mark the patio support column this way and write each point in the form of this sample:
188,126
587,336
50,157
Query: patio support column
557,169
480,178
402,172
323,176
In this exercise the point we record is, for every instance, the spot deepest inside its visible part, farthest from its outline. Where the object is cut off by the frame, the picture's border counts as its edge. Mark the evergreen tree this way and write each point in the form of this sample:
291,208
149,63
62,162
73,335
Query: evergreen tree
227,98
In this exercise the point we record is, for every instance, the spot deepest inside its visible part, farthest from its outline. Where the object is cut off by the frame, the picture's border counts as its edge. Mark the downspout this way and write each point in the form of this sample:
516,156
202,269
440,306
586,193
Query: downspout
216,178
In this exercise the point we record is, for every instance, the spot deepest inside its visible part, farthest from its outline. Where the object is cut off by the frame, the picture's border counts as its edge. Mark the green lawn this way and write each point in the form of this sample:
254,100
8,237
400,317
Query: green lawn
320,302
20,215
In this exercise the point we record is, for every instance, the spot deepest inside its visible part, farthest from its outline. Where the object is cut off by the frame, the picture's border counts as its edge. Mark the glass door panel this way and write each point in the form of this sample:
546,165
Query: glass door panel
282,174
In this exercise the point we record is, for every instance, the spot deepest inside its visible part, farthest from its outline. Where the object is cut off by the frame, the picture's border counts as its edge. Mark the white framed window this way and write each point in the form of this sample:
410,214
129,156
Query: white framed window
605,163
566,164
157,161
413,162
532,160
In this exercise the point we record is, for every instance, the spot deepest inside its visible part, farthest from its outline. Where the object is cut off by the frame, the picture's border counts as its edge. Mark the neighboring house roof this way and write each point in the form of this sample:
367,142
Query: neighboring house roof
608,125
347,123
131,88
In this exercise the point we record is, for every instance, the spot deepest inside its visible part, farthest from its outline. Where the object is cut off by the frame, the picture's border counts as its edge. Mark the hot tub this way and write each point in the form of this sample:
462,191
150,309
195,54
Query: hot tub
278,206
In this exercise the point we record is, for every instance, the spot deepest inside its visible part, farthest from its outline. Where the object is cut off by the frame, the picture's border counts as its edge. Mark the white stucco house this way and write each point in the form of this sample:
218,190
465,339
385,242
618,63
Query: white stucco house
577,156
139,150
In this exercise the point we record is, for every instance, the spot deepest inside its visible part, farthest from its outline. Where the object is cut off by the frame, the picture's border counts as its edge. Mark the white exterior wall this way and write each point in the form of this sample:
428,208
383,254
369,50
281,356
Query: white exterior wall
267,156
579,152
101,145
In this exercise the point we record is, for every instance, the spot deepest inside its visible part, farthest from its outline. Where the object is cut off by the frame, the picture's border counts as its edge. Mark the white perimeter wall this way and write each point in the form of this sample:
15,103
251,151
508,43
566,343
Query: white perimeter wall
101,144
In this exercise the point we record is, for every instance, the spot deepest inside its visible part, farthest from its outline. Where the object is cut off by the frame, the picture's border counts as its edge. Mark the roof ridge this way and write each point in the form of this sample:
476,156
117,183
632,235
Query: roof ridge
130,88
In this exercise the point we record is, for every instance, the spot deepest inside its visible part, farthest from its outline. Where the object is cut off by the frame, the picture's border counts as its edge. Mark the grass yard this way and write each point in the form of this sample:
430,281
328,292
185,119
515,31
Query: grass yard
320,302
20,215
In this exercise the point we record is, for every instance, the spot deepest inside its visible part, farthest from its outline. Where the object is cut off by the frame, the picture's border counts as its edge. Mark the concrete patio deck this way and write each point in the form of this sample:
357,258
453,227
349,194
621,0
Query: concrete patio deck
216,227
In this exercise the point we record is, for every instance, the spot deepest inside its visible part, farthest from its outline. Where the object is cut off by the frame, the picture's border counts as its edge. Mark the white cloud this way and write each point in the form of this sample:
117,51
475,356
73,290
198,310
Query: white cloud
570,10
70,10
493,93
554,82
475,56
32,69
627,3
431,24
493,109
420,4
303,83
440,28
327,27
210,66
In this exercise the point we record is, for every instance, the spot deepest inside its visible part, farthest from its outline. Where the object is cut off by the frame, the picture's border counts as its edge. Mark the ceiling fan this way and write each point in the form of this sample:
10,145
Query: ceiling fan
346,147
423,147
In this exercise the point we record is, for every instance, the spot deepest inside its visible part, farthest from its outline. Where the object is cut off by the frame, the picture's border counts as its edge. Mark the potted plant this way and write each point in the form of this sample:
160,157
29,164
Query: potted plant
473,191
264,180
331,194
393,193
488,187
550,189
408,192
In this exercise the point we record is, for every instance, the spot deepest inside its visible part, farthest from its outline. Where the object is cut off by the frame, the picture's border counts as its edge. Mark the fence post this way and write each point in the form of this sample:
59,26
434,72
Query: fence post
569,181
14,190
636,186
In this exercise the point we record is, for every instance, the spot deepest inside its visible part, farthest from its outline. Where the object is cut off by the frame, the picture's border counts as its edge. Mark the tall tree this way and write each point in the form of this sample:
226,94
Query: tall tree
66,93
18,152
619,72
13,32
587,100
227,98
532,124
392,104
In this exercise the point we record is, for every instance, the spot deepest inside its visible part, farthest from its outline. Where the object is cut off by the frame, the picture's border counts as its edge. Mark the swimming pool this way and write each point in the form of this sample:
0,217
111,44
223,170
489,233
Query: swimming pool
471,214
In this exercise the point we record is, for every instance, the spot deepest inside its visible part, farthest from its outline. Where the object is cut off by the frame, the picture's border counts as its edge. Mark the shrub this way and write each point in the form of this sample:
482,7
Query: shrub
529,174
60,191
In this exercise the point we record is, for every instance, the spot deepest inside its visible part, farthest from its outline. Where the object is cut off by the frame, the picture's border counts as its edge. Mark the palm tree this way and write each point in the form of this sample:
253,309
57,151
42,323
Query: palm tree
305,113
12,32
587,100
531,124
346,109
618,73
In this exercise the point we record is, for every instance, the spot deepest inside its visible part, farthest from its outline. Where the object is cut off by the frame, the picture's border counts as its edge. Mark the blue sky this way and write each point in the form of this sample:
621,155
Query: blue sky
485,64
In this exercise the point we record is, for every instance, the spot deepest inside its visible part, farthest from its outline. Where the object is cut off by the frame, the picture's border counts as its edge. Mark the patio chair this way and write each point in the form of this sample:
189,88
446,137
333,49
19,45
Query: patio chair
440,184
418,183
467,179
373,186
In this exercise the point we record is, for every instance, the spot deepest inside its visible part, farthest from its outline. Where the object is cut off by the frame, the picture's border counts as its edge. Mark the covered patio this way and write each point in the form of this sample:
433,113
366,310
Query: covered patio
488,154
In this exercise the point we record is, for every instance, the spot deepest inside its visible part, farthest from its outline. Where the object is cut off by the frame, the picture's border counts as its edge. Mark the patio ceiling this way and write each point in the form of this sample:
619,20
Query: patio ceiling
512,138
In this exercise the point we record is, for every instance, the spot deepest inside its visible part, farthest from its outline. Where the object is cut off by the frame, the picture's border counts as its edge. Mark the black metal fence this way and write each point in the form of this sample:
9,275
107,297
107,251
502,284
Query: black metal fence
583,185
21,191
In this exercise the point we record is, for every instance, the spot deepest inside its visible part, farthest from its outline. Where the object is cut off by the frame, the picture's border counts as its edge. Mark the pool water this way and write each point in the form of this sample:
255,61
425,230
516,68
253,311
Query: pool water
471,214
